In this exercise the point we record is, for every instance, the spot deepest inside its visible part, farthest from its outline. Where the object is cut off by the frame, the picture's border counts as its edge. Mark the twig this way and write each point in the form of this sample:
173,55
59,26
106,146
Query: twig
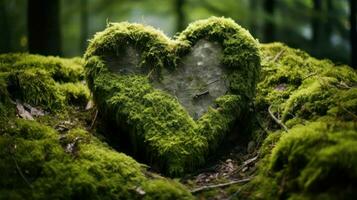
309,75
20,172
233,195
278,55
245,163
149,74
201,94
251,160
349,112
95,118
213,81
277,120
208,187
343,85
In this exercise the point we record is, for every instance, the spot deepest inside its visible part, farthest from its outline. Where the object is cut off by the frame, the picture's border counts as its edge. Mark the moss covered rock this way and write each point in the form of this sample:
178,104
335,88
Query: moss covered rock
139,78
316,158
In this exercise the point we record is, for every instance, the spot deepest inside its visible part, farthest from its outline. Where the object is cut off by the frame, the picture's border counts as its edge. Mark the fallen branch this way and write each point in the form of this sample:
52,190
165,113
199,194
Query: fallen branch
208,187
277,120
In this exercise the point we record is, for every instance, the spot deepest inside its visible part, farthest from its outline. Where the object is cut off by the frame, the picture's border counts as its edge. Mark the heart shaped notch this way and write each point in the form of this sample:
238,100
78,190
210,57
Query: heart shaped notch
174,100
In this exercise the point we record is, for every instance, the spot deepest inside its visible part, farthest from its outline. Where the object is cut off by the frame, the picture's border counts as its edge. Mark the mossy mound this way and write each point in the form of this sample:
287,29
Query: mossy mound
49,82
317,100
54,156
156,124
39,163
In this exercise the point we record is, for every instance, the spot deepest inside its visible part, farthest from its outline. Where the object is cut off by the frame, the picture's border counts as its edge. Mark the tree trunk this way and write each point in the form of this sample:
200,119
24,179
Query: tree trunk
329,22
316,23
353,33
254,22
43,25
5,34
84,25
269,26
180,20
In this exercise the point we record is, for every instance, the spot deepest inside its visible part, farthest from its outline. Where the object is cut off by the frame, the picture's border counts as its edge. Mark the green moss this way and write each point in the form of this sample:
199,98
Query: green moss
40,91
61,70
155,120
75,93
48,82
36,164
301,88
316,159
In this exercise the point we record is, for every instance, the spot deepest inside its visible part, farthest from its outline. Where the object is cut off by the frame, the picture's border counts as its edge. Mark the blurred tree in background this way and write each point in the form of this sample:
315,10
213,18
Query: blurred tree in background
44,27
324,28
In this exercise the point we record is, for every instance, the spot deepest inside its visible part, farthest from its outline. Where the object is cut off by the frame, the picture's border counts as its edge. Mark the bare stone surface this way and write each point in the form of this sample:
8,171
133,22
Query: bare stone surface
196,82
127,63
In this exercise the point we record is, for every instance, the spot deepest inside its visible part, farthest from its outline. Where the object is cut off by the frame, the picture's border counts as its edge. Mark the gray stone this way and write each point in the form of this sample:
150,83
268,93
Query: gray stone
196,82
127,63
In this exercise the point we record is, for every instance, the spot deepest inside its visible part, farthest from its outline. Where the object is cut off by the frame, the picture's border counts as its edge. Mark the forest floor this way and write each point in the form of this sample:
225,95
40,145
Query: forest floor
304,134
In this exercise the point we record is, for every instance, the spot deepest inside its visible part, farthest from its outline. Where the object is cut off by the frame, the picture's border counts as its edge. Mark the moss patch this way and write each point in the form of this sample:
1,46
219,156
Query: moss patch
48,82
316,100
37,163
153,119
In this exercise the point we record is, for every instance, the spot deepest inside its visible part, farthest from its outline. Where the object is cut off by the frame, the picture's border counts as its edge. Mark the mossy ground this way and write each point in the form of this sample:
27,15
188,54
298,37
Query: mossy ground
57,156
315,159
316,100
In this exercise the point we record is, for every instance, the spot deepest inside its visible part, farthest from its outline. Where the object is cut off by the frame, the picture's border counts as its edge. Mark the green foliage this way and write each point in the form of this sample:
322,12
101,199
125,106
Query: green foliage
173,141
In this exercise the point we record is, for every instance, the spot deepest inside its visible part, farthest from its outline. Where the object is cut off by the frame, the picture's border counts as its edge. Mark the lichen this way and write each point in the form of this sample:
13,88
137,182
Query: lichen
172,140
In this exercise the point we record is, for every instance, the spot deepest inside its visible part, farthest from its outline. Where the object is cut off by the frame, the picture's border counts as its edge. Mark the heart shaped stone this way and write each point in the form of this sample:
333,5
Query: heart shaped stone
173,100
